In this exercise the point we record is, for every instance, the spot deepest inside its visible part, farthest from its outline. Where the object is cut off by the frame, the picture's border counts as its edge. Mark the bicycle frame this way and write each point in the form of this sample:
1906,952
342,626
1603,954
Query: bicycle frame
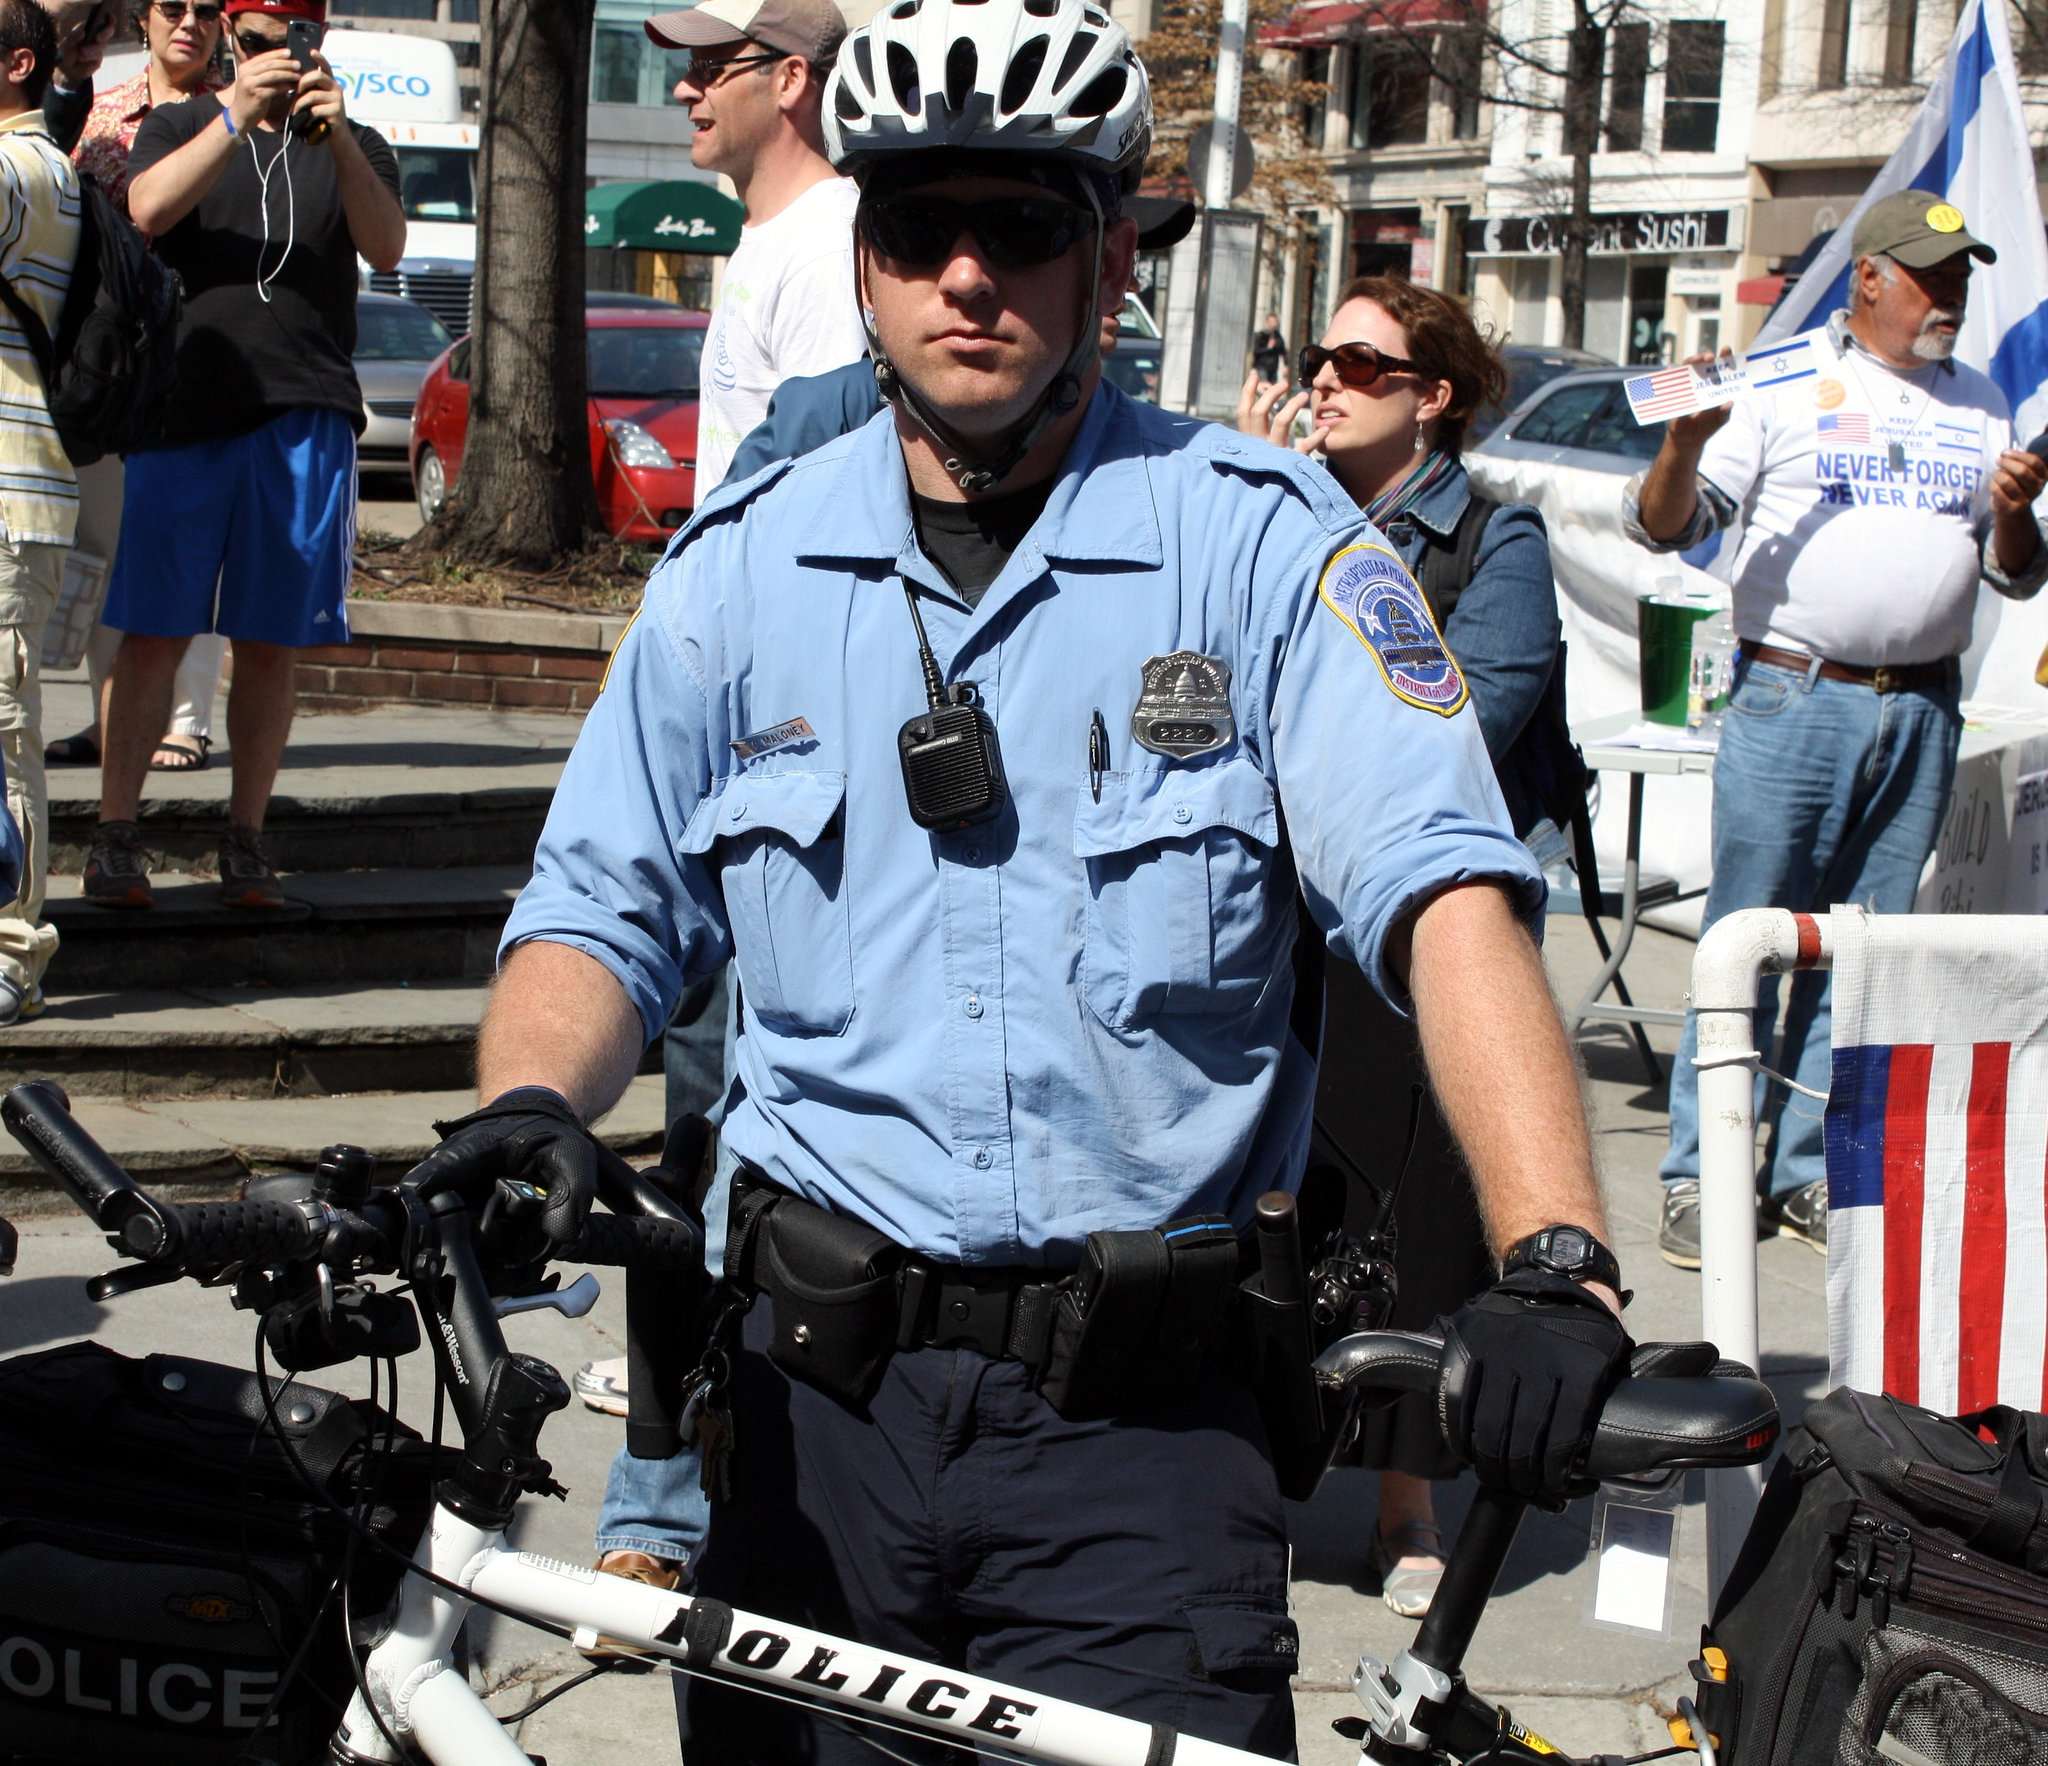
425,1700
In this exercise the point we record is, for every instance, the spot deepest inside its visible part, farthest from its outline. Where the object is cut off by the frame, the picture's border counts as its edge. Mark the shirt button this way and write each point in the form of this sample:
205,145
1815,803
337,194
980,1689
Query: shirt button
974,855
983,1158
739,811
1181,813
974,1005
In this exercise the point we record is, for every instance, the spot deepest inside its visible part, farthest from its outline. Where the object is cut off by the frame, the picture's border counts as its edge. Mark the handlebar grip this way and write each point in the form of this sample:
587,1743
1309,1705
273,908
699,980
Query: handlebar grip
640,1242
38,1115
213,1235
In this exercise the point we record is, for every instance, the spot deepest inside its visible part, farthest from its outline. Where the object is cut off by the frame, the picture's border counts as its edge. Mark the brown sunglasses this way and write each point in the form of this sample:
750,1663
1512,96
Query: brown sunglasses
1358,364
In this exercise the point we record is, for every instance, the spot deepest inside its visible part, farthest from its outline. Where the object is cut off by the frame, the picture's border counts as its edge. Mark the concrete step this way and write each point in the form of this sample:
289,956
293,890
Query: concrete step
398,786
337,926
250,1042
202,1146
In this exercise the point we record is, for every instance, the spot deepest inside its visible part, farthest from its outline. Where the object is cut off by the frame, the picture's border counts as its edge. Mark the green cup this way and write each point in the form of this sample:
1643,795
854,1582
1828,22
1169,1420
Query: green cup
1664,653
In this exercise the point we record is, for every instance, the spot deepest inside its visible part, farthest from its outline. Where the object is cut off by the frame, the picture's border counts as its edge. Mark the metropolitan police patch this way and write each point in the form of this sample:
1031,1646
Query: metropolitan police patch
1370,590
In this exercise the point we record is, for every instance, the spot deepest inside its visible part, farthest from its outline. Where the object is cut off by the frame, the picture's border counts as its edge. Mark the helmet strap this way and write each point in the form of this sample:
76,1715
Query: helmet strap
976,473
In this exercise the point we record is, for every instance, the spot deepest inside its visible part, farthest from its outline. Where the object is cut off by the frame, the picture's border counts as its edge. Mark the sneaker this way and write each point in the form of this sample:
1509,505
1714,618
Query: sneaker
18,1004
1678,1238
117,868
634,1566
246,879
602,1385
1804,1213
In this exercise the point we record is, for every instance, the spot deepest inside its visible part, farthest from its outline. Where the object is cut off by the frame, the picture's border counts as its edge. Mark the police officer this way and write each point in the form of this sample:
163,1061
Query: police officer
992,741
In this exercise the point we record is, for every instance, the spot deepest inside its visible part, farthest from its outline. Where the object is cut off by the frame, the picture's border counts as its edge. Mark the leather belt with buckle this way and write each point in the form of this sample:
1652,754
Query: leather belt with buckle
1896,678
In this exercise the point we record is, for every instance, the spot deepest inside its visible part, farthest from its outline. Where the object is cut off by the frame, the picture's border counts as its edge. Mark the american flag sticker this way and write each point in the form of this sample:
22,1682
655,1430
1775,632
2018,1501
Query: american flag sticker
1849,427
1669,392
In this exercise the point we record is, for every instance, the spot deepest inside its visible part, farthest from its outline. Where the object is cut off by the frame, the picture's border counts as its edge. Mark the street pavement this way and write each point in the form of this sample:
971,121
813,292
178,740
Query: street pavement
385,506
1586,1690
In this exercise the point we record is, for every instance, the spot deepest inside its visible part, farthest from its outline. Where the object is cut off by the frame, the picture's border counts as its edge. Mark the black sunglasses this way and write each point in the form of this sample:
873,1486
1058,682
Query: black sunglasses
1358,364
252,44
708,70
1013,232
173,12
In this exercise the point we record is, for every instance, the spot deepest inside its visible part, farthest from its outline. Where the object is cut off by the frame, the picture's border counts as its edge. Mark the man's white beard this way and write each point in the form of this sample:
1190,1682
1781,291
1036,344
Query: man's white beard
1934,345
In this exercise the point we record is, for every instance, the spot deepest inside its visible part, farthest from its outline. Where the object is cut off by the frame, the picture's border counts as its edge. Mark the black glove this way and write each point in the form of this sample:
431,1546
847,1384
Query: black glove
531,1135
1527,1367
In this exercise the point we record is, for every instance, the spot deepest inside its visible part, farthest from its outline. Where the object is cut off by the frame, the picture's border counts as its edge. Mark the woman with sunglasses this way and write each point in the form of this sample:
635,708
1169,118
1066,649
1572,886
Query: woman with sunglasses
1388,393
184,40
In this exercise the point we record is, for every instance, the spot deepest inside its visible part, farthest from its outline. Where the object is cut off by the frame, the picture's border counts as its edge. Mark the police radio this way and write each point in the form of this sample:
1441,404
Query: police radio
952,768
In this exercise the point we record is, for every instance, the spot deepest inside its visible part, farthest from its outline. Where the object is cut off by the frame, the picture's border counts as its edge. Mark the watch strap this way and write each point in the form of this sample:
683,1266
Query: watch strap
1596,1263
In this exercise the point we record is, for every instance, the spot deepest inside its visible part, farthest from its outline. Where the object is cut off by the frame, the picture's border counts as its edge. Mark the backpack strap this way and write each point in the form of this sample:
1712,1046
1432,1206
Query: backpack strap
1447,564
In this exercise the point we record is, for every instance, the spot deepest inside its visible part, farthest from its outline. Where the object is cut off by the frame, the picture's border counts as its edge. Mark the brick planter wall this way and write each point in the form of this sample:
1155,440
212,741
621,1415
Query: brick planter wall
406,653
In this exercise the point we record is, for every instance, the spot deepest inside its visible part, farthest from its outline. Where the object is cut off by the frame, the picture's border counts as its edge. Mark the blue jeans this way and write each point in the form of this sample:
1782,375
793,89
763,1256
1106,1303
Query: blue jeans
1825,793
657,1505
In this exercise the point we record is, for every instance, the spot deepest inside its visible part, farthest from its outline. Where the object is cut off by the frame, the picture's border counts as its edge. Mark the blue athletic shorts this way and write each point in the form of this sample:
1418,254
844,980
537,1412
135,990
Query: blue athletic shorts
252,537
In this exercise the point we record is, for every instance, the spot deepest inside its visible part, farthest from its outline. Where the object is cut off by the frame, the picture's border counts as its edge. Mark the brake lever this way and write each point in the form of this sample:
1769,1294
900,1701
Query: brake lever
571,1302
128,1278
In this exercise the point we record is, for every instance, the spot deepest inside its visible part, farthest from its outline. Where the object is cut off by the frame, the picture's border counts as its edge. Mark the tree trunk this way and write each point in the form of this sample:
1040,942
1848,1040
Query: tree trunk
1585,57
525,496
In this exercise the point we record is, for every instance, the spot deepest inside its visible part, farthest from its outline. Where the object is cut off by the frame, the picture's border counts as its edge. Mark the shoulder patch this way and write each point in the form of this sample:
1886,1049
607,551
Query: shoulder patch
605,680
1370,590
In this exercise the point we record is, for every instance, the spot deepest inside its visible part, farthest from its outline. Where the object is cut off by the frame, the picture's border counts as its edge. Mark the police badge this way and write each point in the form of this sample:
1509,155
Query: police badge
1184,706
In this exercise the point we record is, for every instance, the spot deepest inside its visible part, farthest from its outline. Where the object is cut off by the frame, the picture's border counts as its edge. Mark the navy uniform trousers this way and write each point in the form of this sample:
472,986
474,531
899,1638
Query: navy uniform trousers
1138,1566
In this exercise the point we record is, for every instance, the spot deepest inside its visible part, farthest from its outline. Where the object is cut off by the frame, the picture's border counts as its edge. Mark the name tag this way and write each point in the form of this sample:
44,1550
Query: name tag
798,729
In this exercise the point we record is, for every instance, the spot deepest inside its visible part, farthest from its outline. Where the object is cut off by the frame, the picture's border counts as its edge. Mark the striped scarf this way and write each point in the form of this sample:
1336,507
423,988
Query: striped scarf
1411,490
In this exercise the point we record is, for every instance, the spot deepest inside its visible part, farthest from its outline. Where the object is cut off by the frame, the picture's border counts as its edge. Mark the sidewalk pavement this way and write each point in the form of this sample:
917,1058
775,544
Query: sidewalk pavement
1587,1690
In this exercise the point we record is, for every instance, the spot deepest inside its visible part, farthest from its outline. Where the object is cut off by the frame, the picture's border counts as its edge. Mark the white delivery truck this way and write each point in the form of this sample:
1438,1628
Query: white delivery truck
406,89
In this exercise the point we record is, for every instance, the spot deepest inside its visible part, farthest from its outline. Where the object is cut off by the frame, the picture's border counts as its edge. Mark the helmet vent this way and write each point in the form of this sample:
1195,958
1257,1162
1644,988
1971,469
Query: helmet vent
864,55
1042,8
903,80
1025,67
1094,17
1101,95
962,63
846,105
1078,47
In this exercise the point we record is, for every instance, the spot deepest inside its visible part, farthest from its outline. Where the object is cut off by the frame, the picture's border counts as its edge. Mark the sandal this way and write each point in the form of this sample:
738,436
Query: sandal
172,756
1408,1592
82,749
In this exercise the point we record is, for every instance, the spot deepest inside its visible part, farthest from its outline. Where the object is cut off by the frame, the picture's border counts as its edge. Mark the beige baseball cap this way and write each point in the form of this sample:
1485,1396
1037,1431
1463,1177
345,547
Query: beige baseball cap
813,29
1917,228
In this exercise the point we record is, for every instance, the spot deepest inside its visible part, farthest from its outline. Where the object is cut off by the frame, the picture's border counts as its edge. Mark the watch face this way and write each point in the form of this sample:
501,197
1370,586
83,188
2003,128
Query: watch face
1568,1248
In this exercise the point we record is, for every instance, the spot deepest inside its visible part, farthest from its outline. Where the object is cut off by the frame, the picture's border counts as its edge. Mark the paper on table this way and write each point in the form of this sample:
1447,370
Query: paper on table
1663,739
1661,393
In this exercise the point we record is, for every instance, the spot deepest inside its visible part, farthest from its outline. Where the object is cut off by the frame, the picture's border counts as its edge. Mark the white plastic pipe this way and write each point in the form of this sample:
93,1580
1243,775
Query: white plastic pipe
1734,955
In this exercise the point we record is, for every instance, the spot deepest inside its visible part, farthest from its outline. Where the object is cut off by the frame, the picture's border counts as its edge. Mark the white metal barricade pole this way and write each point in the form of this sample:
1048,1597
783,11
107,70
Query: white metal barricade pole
1734,954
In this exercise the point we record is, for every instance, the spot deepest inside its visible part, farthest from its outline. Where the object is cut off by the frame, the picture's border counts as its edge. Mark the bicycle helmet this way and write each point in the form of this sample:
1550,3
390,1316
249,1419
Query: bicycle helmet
968,84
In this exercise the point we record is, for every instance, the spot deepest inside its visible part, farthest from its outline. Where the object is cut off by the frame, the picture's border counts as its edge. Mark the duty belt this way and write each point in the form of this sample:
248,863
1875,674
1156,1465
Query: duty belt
1004,1313
1899,678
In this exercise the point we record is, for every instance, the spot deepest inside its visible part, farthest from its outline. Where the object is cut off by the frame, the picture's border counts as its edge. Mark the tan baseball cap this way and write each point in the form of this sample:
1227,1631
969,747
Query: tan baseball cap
813,29
1917,228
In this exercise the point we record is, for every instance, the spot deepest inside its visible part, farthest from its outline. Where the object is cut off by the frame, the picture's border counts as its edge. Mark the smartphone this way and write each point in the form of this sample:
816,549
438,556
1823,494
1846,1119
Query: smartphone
302,38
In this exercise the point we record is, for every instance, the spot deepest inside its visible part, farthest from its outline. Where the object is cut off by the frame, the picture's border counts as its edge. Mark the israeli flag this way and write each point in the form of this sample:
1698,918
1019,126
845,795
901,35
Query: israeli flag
1969,144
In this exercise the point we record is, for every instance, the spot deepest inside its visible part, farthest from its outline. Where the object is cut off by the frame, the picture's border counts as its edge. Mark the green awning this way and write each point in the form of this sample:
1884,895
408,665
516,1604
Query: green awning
662,215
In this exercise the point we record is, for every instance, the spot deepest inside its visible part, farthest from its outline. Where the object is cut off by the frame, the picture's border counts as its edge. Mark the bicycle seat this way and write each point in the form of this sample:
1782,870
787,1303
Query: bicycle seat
1652,1422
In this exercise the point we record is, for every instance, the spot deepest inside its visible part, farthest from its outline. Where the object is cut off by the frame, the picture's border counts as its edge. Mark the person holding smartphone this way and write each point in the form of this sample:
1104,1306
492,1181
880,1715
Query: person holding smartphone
84,28
241,521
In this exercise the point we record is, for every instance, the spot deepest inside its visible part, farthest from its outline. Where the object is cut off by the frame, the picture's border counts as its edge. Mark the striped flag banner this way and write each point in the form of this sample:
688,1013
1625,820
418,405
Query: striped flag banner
1668,392
1853,427
1937,1150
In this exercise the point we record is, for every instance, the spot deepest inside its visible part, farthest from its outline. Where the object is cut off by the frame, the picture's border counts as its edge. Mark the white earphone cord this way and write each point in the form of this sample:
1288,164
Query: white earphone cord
291,209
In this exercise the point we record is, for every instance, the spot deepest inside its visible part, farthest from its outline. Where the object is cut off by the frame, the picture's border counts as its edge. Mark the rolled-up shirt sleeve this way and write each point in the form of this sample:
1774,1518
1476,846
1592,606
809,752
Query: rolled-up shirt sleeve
609,876
2021,585
1714,511
1386,803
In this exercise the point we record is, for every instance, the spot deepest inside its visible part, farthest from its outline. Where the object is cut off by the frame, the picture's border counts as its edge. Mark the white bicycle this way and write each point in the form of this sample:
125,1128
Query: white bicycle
299,1252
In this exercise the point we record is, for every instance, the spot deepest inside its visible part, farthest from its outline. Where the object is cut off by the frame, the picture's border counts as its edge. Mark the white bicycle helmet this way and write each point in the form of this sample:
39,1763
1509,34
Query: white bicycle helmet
1053,78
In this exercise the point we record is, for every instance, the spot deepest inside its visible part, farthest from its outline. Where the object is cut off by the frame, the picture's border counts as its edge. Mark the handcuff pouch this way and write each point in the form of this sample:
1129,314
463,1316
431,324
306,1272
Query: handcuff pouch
1139,1316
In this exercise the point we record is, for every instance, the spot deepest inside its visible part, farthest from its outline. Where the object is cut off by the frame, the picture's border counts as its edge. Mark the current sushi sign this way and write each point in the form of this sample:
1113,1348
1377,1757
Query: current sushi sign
1613,235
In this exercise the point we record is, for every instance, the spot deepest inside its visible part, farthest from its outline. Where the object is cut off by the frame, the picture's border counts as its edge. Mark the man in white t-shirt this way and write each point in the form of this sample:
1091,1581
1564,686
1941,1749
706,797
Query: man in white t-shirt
1874,498
754,87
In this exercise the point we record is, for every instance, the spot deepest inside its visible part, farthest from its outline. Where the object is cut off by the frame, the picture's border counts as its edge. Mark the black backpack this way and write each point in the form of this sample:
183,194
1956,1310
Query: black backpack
109,371
1890,1602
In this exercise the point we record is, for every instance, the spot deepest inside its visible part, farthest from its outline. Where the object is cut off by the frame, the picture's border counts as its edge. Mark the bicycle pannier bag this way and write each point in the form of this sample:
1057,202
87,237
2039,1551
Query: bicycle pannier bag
161,1565
1891,1600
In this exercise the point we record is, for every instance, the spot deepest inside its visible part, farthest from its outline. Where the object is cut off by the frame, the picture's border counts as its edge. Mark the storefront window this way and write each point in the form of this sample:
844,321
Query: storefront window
1628,63
1692,85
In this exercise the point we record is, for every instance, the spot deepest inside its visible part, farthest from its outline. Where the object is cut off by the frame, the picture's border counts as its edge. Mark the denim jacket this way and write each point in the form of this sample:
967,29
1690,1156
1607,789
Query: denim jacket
1504,629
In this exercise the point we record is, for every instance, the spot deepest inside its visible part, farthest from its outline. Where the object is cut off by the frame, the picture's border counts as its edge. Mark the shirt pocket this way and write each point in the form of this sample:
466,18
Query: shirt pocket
779,842
1177,918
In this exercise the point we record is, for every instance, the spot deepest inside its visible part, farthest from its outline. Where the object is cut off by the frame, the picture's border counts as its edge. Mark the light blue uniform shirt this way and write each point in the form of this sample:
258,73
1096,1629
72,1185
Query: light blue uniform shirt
992,1042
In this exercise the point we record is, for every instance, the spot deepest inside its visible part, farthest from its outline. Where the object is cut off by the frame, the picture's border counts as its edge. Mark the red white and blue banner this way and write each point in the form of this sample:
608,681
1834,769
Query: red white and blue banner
1937,1153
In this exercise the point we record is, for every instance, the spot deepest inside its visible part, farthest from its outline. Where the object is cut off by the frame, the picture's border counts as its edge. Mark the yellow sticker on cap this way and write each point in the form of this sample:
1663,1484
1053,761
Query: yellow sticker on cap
1944,219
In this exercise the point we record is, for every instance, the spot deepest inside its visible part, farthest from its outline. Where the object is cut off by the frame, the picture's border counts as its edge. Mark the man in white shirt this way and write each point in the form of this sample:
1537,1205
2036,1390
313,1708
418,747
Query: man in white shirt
1874,500
754,87
754,90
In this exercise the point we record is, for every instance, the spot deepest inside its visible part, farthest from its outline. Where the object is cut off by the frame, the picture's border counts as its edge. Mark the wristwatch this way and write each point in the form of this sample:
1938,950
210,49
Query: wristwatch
1569,1251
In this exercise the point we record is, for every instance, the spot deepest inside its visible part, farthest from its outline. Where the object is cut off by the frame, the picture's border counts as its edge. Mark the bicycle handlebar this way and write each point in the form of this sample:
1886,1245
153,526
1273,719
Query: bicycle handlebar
1652,1422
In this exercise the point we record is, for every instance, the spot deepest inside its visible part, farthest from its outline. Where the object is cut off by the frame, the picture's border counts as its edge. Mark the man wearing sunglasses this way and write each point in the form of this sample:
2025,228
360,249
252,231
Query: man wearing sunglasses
1009,877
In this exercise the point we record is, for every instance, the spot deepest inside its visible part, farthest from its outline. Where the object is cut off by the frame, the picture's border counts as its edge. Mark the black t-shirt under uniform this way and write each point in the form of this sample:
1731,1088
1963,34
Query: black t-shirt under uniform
242,359
971,542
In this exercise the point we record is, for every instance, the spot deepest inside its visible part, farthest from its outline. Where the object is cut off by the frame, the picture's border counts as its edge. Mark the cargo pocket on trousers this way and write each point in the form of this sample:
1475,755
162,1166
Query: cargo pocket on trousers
1241,1641
1177,920
778,841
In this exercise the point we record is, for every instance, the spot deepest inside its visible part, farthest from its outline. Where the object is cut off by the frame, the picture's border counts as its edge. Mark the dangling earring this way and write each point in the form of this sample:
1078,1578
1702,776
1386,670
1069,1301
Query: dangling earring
1419,444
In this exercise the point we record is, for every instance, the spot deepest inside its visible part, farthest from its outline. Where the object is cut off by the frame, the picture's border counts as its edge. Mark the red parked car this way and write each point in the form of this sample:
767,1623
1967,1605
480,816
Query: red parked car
643,416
